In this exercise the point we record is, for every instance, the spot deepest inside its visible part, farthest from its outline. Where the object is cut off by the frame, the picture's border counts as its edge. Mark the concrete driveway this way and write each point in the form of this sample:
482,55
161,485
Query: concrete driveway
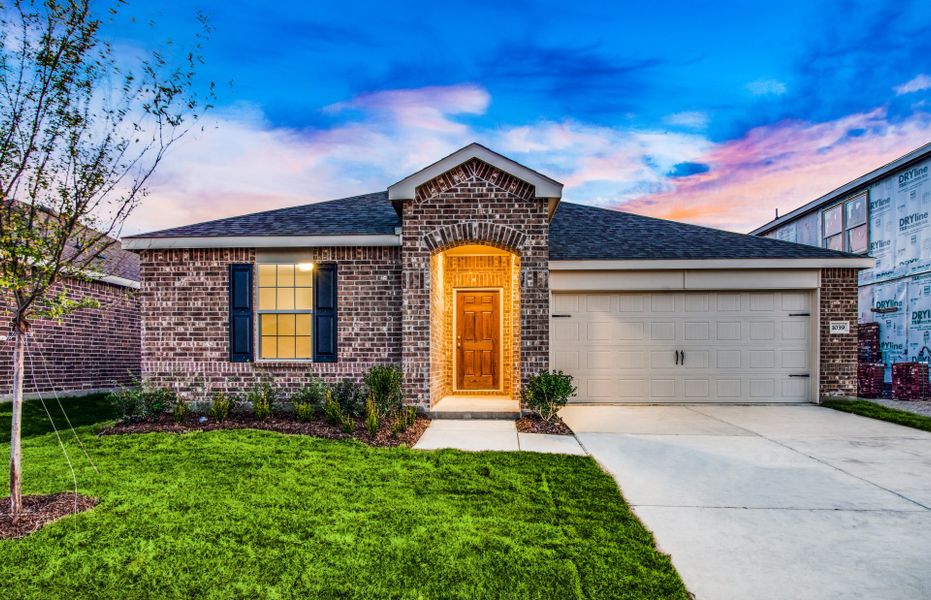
773,501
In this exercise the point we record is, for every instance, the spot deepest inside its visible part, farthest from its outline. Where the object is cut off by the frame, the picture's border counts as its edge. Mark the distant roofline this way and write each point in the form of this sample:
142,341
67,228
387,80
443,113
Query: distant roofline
848,188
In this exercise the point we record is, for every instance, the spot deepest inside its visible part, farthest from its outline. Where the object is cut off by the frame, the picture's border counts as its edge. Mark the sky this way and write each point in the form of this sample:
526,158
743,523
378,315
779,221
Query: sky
716,113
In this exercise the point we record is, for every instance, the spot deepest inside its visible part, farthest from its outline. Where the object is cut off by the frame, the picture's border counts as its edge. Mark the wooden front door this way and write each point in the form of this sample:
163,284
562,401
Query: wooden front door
478,344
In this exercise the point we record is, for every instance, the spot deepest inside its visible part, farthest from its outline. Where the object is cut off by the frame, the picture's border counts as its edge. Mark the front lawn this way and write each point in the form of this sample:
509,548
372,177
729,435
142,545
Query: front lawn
245,514
865,408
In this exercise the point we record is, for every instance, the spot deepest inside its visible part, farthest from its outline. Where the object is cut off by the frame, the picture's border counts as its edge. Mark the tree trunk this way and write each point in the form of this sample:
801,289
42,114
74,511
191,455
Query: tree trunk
16,477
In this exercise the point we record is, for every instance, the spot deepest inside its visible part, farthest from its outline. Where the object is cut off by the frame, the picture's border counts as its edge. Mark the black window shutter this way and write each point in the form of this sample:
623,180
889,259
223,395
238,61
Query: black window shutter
325,313
241,313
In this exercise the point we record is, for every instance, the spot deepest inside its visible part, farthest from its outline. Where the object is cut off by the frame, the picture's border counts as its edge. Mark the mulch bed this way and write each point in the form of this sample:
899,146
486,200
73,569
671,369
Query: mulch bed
39,511
534,424
282,423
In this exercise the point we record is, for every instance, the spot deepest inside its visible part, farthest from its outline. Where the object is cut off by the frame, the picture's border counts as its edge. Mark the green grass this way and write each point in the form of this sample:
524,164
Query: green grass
866,408
253,514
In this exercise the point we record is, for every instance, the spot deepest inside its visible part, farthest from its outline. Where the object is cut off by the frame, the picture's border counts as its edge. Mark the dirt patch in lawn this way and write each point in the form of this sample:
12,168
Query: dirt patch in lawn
282,423
534,424
39,511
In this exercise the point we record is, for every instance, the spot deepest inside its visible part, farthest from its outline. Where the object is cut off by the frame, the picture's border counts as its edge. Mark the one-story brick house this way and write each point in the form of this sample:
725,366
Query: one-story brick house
91,350
472,275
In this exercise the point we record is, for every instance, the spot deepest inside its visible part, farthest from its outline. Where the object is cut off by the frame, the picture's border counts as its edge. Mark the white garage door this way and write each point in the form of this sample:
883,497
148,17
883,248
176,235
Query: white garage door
684,346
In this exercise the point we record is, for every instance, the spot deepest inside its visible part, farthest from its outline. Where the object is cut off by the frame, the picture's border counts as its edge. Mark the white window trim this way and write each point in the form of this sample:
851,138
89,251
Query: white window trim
258,318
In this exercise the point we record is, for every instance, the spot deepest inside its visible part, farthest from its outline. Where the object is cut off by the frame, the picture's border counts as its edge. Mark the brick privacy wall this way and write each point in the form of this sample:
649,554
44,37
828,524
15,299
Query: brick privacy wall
185,327
93,348
838,352
473,203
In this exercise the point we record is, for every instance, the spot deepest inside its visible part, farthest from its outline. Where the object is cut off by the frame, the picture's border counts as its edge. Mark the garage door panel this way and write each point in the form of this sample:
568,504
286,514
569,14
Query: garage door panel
739,346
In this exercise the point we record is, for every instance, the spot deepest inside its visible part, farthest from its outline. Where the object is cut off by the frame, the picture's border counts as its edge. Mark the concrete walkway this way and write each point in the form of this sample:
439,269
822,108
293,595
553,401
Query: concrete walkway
773,502
476,435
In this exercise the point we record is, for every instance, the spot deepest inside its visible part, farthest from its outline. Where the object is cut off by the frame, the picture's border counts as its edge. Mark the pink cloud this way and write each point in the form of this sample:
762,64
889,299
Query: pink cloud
782,166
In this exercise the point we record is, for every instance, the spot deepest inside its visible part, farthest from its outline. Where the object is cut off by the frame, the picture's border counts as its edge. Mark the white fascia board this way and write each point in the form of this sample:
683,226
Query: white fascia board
114,280
293,241
865,262
544,187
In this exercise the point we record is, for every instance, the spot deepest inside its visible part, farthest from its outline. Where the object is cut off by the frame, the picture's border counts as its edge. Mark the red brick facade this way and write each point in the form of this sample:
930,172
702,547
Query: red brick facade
92,349
838,352
185,331
473,203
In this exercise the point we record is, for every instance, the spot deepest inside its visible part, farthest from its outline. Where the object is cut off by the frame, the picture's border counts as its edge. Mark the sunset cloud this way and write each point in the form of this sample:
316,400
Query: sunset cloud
782,166
919,83
243,164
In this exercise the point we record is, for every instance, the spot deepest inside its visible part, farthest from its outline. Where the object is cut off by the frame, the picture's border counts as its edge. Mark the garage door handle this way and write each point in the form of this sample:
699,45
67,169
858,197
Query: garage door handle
683,358
799,375
560,316
677,357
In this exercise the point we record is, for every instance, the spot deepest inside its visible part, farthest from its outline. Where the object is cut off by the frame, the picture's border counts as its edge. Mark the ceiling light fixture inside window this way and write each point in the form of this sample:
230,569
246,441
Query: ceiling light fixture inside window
305,267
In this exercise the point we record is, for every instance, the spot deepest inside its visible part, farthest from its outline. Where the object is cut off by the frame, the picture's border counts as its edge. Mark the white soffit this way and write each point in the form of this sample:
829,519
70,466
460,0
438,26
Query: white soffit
293,241
544,186
864,262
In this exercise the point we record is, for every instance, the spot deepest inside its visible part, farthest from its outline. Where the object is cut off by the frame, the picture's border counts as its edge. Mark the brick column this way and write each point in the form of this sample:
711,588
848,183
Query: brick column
838,361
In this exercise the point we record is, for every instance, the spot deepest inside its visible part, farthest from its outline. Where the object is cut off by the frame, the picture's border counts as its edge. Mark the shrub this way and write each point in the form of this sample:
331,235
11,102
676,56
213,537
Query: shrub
406,417
156,402
220,406
371,417
143,403
350,396
384,386
309,399
180,411
547,392
331,410
260,397
128,403
346,423
304,411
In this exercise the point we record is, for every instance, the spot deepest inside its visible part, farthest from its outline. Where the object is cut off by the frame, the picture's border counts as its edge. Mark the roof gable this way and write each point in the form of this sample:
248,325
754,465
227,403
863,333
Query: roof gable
544,187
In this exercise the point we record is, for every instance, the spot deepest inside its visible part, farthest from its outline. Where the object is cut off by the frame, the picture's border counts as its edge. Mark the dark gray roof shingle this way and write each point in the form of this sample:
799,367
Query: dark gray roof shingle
368,214
580,232
577,232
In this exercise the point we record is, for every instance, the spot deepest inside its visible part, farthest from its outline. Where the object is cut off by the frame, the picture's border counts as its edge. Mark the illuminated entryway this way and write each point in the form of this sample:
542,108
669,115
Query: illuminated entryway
474,323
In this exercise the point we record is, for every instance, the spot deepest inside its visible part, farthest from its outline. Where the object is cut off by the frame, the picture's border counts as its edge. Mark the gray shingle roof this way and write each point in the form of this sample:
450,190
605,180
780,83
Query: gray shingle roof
368,214
577,232
588,233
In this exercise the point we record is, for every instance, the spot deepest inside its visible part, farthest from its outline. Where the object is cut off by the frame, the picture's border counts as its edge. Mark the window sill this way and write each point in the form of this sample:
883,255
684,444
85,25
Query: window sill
281,362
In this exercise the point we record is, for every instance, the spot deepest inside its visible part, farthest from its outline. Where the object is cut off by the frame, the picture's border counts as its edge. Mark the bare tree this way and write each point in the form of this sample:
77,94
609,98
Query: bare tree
82,129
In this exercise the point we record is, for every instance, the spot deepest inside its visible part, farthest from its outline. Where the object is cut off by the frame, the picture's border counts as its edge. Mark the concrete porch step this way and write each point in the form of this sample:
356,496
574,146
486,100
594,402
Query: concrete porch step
476,407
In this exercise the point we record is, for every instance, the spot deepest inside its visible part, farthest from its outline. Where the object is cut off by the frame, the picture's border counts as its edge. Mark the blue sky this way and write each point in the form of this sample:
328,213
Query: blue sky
712,112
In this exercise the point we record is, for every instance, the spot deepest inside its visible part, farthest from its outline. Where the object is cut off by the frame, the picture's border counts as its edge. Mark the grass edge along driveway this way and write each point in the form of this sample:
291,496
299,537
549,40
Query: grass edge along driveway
865,408
258,514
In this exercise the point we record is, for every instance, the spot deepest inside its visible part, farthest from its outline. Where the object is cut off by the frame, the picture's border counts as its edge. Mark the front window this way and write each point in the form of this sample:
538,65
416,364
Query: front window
285,312
844,225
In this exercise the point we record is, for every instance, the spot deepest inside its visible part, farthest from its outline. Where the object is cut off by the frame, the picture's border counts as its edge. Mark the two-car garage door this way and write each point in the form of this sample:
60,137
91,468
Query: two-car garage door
684,346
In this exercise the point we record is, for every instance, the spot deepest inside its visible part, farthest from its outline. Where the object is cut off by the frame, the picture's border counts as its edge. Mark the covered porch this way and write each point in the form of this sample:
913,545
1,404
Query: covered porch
475,331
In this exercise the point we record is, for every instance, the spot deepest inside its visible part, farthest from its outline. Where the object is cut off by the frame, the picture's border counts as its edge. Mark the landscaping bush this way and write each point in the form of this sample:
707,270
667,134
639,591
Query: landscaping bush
405,418
384,386
346,423
127,403
143,403
350,396
304,411
310,398
180,411
260,398
220,406
371,417
547,392
331,410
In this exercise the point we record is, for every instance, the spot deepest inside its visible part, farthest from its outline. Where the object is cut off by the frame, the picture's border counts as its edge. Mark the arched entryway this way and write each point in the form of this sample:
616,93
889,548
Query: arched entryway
474,323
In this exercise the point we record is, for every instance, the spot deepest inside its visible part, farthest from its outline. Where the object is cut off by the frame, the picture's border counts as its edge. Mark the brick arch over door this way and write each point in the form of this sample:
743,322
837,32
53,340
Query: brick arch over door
481,232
